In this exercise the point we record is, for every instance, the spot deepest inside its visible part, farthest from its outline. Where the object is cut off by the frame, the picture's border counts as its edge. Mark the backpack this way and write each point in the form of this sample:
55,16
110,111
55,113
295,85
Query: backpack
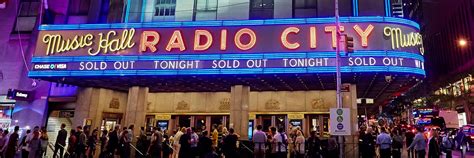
447,143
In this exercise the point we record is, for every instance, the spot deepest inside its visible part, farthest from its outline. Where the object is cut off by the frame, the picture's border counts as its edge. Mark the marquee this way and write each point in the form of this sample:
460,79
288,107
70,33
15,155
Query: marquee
382,44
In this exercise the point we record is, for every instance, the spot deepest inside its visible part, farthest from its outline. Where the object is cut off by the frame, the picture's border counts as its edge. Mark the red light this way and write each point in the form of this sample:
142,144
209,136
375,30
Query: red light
472,137
408,125
413,130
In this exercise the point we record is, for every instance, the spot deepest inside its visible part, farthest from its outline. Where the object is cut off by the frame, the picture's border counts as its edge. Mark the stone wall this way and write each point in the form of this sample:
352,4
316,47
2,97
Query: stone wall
219,102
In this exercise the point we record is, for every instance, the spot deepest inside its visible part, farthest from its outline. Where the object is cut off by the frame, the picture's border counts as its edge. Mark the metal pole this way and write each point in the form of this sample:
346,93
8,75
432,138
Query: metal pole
338,71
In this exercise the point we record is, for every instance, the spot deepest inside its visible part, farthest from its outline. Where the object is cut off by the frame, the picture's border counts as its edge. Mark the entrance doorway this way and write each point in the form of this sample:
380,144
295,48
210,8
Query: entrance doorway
267,121
200,122
110,120
318,123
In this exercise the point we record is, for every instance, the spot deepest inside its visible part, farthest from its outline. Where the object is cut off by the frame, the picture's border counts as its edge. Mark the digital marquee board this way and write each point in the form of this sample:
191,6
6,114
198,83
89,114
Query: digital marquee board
382,44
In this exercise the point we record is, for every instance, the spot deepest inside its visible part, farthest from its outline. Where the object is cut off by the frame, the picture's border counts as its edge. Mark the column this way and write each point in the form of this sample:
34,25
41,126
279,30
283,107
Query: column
87,107
349,100
239,110
136,108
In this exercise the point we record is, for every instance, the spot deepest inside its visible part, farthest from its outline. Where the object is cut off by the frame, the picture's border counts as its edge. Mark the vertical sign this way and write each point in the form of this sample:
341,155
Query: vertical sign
340,121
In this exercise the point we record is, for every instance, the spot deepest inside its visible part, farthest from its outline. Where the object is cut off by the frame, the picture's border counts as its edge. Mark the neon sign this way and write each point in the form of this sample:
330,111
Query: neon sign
227,47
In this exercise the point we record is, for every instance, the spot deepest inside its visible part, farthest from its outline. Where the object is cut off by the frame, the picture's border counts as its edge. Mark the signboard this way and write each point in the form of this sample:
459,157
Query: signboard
15,94
382,44
340,121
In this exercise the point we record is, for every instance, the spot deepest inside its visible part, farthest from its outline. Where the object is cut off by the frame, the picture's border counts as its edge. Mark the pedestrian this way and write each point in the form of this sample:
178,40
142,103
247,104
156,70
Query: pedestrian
103,142
280,140
194,142
397,144
176,141
215,137
34,145
124,144
383,142
142,145
185,144
419,143
60,142
313,145
81,144
3,141
230,144
156,145
205,146
166,145
300,143
332,147
434,151
362,143
259,139
72,142
447,145
44,141
92,143
114,142
12,143
409,135
24,146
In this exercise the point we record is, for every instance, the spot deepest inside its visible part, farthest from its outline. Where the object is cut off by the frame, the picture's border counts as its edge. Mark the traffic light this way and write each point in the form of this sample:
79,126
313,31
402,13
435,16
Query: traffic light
349,41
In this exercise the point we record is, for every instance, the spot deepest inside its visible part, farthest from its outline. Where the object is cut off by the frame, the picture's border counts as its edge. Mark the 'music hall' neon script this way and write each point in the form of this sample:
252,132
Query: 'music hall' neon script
216,40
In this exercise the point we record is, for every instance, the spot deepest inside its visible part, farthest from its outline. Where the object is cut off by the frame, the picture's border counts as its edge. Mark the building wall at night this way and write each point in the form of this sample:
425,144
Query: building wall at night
451,65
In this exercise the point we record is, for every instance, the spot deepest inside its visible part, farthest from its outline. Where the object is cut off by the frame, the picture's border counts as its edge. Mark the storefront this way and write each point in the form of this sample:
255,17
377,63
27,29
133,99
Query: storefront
239,74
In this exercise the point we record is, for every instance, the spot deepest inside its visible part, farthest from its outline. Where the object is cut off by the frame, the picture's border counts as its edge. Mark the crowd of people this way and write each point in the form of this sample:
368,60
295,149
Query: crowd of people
385,143
188,142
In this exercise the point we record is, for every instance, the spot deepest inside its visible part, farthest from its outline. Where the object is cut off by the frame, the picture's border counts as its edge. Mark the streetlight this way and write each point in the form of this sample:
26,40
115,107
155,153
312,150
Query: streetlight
462,42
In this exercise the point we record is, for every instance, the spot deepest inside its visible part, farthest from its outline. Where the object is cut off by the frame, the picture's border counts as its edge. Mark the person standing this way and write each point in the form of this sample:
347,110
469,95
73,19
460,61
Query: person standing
60,142
92,143
259,139
280,140
205,146
24,146
142,144
176,141
71,147
397,144
103,142
313,145
433,144
409,135
299,148
12,143
3,141
447,145
166,145
81,142
124,145
419,143
156,143
384,141
230,144
185,144
194,142
35,145
332,147
113,143
44,141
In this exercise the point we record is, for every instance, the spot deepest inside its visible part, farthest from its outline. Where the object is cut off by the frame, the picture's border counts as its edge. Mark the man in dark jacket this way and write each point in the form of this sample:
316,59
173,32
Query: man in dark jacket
60,142
205,145
113,141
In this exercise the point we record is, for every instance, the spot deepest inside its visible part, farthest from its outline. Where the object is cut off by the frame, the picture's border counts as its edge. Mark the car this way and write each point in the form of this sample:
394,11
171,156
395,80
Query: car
468,131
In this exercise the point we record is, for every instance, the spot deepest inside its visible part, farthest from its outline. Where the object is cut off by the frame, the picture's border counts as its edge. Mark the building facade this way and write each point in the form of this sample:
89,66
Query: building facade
103,63
449,55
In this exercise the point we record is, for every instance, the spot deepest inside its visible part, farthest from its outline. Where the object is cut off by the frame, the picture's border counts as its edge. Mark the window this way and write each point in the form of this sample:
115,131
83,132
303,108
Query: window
371,8
205,10
79,7
261,9
326,8
165,7
304,8
26,19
